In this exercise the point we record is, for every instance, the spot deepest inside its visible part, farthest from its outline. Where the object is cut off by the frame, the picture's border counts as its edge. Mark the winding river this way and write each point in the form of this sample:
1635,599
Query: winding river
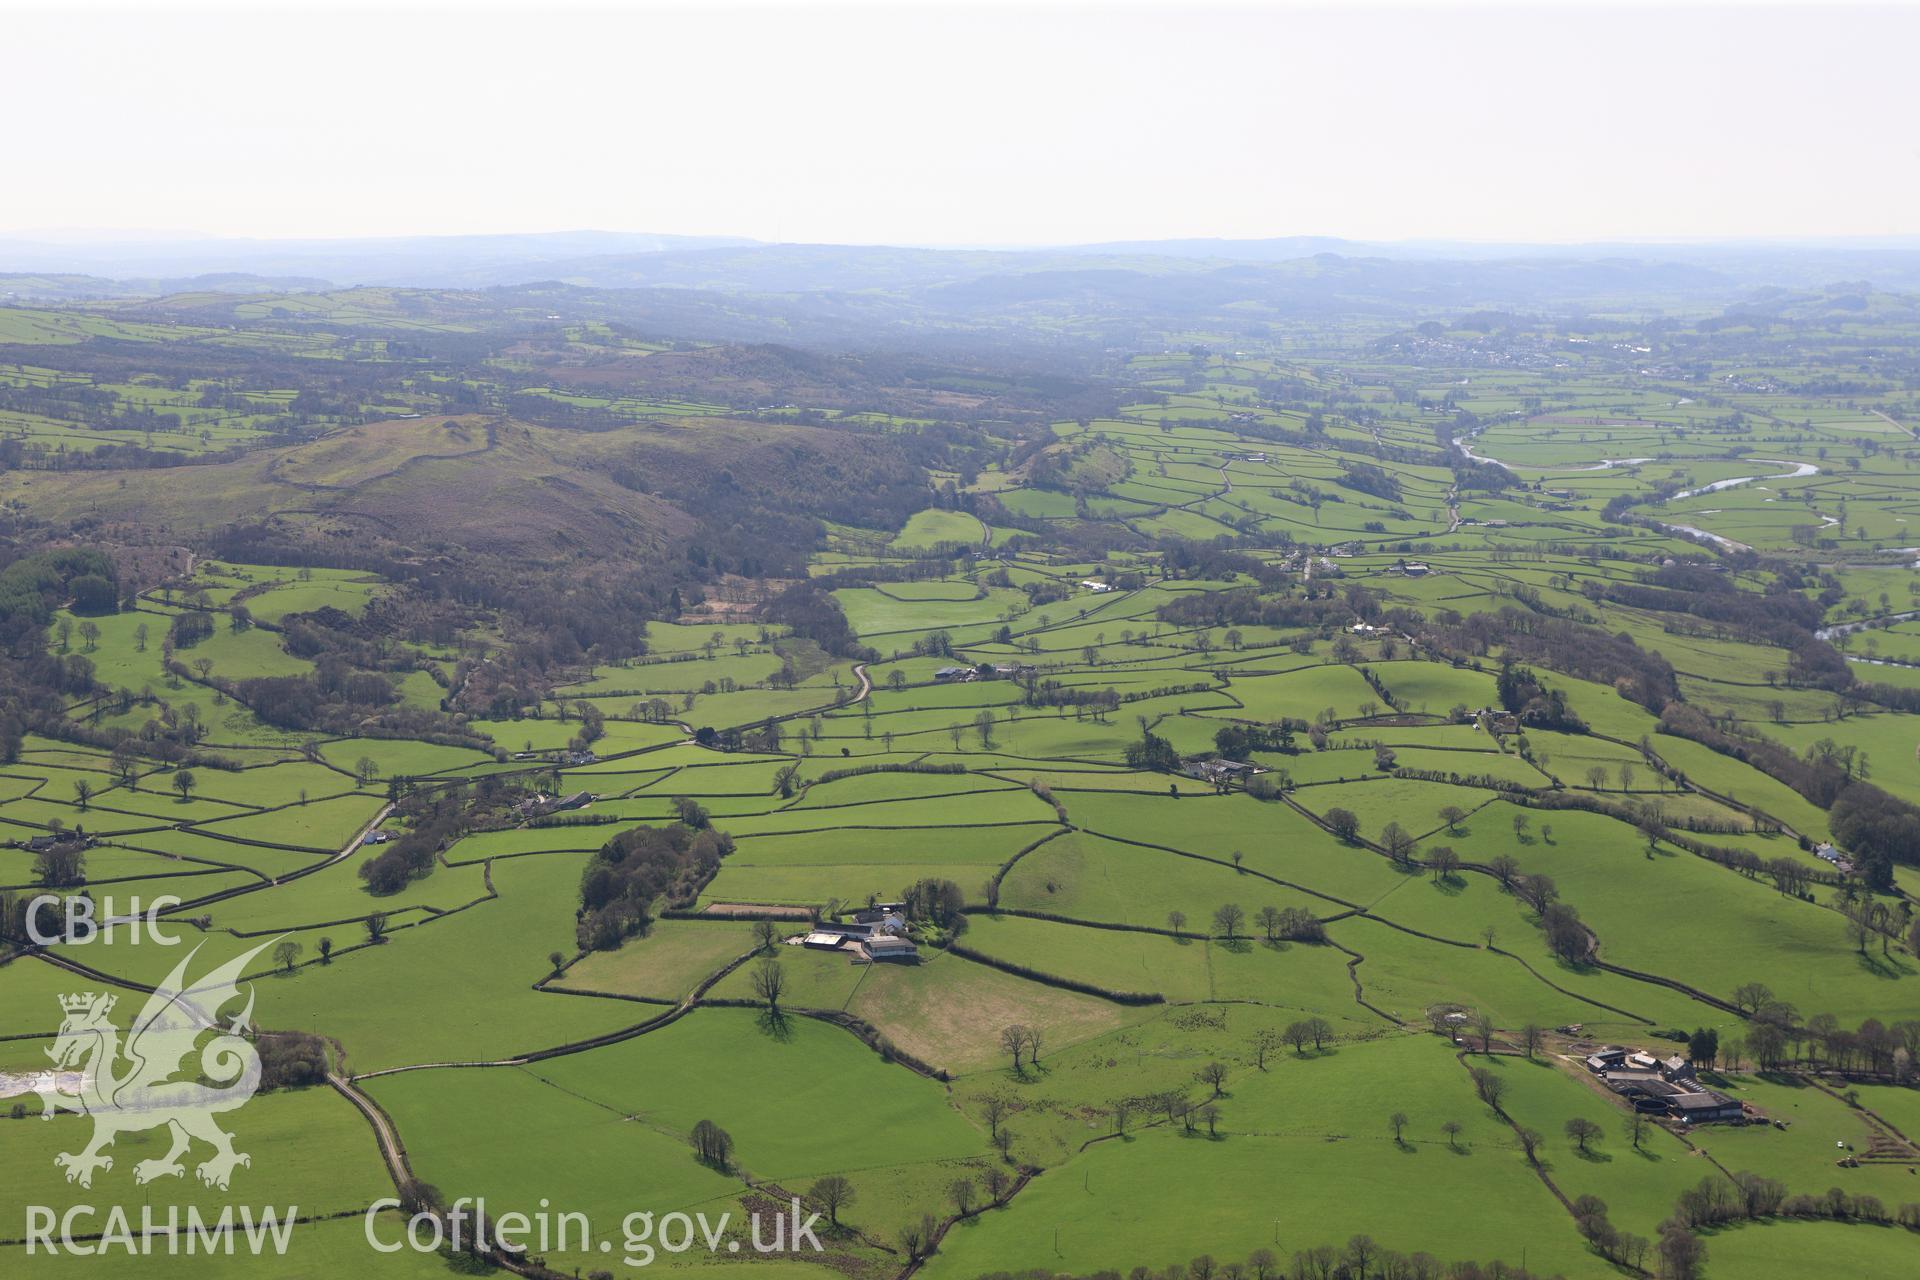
1845,628
1800,471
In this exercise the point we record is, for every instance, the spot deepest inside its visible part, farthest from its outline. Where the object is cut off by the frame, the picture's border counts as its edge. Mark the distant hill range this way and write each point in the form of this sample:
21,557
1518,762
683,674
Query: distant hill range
16,287
863,285
421,261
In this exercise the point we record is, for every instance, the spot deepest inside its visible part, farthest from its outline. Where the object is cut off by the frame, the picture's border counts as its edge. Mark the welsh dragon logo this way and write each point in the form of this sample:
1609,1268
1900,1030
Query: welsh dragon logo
151,1079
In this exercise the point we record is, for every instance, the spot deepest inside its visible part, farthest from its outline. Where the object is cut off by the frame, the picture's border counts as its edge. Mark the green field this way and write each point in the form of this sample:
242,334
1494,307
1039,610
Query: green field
1255,765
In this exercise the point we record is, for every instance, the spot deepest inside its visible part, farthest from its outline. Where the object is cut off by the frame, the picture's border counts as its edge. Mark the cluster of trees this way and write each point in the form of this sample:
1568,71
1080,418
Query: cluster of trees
434,820
291,1059
1056,693
190,628
934,644
1748,1196
1566,936
1187,1113
813,614
1152,752
1779,618
1716,1201
924,567
938,902
1876,828
1818,776
1535,705
1622,1248
764,737
64,866
1215,561
1300,1032
1868,917
302,703
1236,741
1481,477
1872,1046
1776,1037
637,868
1558,644
35,685
1289,924
1246,607
1891,696
13,918
32,586
712,1146
1365,477
1018,1038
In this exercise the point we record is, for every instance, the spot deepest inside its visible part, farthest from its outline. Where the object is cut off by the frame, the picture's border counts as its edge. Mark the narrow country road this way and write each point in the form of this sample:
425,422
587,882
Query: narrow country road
389,1142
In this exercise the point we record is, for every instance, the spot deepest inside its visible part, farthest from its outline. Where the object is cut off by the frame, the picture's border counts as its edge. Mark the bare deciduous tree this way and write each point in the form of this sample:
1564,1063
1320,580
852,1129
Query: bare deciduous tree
832,1193
1483,1027
995,1109
1214,1076
770,982
961,1191
1013,1040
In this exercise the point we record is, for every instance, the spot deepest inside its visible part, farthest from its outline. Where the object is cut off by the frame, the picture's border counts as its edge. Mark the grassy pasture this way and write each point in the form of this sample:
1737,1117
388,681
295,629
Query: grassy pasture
1788,1249
1119,961
1089,878
932,528
1302,694
725,1062
814,884
949,1011
1157,1195
667,963
309,1146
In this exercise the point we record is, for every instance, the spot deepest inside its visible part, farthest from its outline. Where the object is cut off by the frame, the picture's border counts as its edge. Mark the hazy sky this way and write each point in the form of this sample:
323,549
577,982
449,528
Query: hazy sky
965,124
